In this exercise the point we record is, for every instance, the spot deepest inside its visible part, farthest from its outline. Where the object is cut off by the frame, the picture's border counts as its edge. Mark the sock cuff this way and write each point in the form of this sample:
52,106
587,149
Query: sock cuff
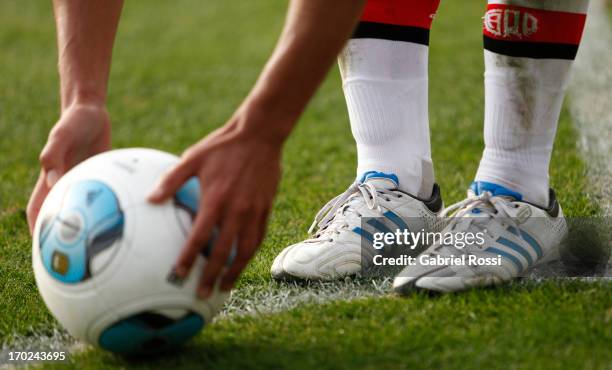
520,31
397,20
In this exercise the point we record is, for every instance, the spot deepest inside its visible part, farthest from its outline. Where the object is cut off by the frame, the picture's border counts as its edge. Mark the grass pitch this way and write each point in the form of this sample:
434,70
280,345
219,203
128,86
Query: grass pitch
179,70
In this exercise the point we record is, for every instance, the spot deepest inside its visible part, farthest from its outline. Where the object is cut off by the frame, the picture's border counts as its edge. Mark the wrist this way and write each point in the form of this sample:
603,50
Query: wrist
85,114
263,123
77,96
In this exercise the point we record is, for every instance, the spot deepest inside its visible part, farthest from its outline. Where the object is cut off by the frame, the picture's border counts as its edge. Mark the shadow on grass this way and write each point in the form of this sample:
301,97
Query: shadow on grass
384,332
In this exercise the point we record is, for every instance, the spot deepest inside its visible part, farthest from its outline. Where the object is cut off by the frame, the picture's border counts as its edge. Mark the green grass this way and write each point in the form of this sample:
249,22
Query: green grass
463,331
179,70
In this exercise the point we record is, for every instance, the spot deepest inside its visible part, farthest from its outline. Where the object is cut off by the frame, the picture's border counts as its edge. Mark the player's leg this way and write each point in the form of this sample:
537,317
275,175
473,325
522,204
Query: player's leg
529,49
384,76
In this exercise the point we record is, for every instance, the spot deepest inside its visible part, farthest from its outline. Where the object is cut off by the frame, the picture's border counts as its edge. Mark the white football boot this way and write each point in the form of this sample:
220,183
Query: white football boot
335,249
517,235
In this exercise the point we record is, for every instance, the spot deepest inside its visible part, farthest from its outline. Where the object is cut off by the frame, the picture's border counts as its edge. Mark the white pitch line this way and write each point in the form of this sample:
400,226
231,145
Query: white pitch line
591,103
281,296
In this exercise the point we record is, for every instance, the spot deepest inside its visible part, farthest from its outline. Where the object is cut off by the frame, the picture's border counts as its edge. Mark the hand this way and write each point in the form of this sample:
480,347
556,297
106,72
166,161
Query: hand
238,173
81,132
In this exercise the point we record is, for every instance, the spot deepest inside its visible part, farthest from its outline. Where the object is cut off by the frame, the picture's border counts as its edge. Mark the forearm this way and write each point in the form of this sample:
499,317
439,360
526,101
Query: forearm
315,32
85,36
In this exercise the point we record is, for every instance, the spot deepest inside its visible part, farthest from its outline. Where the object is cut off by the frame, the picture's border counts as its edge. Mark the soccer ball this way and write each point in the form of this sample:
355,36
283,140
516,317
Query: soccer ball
103,256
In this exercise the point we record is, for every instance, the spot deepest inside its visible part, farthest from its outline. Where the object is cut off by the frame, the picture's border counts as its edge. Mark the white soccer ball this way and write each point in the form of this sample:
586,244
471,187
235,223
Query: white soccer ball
103,256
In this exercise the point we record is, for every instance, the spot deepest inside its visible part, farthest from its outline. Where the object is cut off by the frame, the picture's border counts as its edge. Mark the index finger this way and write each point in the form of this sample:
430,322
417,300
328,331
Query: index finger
198,238
221,251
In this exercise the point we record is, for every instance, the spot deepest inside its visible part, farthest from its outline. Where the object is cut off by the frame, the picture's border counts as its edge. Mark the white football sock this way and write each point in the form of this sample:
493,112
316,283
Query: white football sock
385,86
384,76
530,46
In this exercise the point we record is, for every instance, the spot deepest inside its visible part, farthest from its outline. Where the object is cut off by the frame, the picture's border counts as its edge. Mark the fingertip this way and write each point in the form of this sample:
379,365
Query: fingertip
181,271
226,286
52,176
157,195
204,292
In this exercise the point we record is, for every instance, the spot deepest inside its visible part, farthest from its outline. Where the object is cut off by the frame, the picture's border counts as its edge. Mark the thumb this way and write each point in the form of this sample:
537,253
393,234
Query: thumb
51,177
170,182
35,203
53,162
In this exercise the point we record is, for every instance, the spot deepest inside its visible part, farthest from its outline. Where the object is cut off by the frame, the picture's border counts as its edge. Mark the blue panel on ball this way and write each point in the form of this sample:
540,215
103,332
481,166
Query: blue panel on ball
188,196
89,221
150,332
